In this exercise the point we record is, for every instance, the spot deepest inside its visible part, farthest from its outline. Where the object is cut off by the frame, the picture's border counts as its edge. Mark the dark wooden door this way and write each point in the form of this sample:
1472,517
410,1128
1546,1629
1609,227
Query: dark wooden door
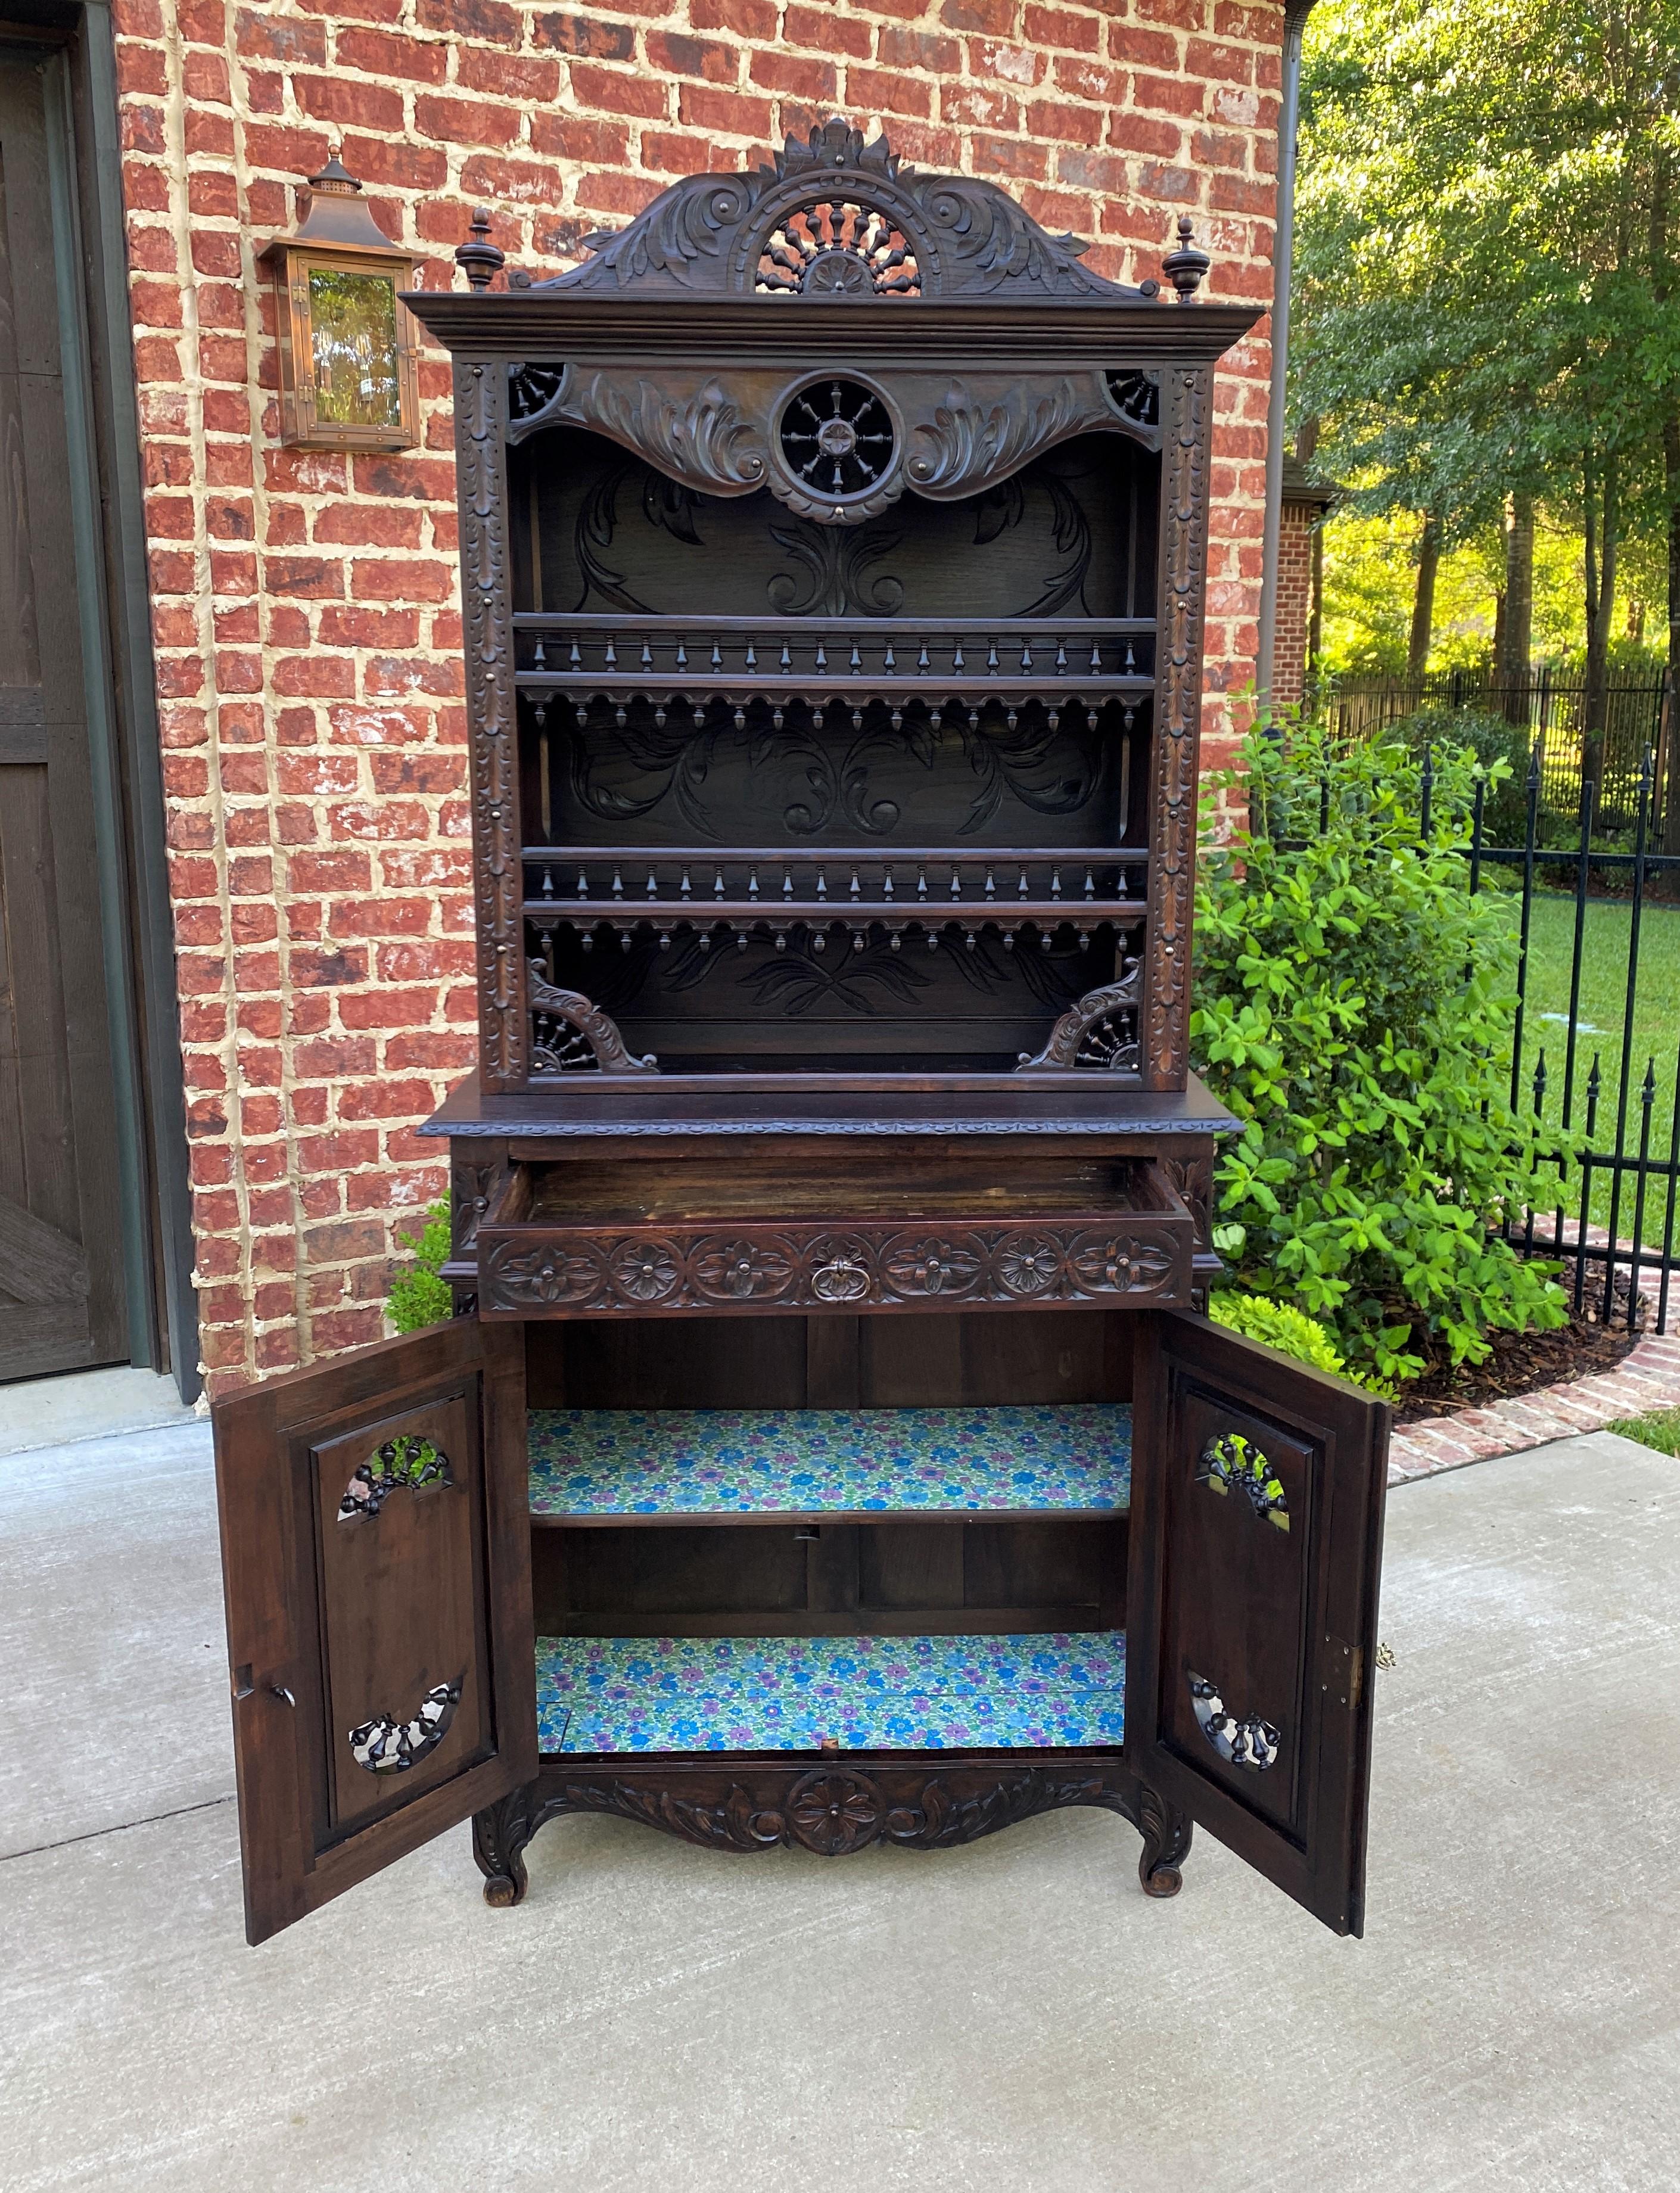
1256,1514
61,1295
376,1564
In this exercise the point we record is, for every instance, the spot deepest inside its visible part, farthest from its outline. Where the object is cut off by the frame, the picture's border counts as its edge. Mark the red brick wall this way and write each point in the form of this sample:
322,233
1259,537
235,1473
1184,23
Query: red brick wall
1295,601
304,606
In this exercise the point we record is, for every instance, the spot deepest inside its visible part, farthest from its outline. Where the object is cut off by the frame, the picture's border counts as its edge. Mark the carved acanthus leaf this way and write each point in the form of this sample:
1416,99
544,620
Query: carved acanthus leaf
702,440
970,439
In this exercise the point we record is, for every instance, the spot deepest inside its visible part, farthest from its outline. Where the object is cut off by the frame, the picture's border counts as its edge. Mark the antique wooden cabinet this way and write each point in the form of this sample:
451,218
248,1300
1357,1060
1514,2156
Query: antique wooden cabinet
827,1449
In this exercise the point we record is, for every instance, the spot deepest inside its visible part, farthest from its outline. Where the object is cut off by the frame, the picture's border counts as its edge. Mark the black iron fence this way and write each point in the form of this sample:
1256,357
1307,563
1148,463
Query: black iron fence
1597,1044
1546,722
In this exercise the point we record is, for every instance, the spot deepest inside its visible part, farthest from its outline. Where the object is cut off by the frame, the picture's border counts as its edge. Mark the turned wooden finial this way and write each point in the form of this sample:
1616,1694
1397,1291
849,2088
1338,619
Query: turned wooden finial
1185,267
479,259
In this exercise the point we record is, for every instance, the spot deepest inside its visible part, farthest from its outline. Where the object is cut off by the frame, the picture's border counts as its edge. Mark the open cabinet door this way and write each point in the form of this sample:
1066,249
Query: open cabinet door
376,1562
1257,1517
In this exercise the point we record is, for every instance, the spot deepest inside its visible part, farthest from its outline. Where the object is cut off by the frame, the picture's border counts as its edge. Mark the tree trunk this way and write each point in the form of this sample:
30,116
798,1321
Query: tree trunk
1517,637
1600,544
1423,603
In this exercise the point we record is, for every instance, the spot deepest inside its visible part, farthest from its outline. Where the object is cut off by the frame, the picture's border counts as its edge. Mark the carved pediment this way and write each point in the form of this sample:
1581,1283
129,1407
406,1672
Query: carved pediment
833,217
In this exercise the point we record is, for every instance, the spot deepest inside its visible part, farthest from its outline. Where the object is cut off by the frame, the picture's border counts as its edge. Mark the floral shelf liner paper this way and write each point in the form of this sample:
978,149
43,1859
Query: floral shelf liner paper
740,1462
865,1693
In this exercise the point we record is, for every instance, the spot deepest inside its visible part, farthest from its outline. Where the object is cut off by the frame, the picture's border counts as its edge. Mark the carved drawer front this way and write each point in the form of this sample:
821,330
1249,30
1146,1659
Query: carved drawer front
579,1238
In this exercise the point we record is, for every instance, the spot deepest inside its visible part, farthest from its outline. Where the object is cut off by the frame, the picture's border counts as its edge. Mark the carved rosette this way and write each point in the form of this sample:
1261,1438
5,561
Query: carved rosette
1188,392
811,1267
480,406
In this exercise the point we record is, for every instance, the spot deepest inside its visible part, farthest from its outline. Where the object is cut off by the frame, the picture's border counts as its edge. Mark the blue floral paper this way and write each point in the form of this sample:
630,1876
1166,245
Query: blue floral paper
743,1461
866,1693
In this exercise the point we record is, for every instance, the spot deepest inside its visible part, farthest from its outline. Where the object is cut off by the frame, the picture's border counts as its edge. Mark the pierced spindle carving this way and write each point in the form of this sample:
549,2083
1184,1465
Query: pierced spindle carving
1099,1033
572,1035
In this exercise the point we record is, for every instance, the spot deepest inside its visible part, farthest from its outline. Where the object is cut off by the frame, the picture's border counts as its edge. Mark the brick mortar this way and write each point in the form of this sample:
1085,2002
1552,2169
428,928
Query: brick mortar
310,701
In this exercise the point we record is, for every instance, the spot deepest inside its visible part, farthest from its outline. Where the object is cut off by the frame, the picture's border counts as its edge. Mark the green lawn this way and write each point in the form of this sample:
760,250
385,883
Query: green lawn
1603,999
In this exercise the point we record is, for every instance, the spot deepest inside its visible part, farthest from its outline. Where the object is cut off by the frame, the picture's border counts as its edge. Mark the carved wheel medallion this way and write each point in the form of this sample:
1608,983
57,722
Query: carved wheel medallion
832,1811
836,438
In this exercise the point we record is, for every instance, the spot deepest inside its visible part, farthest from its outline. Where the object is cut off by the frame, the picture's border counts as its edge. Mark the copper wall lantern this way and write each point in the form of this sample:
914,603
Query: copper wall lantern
346,343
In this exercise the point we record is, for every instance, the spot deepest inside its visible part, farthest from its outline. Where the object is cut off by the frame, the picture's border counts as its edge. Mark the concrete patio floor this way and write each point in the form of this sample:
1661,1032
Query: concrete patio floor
1012,2015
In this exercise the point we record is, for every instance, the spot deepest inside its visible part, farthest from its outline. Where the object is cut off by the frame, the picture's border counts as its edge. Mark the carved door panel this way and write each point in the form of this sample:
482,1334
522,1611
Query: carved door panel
376,1554
1257,1508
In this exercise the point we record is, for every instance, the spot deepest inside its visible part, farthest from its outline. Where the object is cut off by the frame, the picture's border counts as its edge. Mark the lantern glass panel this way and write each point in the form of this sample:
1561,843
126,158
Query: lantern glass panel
352,319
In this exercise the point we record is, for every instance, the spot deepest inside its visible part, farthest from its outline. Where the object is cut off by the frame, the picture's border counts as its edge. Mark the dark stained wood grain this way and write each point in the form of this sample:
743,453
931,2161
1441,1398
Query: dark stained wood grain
1283,1622
331,1622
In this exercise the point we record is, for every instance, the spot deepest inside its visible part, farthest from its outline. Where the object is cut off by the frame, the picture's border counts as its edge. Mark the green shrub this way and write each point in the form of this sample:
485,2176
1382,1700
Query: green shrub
1486,735
1660,1429
418,1296
1279,1325
1353,1005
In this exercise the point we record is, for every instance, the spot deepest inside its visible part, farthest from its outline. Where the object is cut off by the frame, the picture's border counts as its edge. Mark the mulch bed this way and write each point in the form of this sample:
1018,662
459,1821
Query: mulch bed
1524,1362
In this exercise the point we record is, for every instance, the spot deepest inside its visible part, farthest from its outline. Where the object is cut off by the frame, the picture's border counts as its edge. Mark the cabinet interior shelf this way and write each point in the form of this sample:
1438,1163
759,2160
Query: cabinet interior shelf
917,1693
768,1465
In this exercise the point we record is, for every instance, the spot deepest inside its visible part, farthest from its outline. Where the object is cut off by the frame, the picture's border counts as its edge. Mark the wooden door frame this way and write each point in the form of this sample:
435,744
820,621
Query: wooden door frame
108,527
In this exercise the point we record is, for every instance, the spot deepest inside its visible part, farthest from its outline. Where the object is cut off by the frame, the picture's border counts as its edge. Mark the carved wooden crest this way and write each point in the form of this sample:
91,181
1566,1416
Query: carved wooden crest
836,219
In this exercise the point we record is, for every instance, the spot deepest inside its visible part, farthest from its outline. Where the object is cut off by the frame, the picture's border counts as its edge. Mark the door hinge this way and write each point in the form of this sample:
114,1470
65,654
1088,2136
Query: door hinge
1345,1678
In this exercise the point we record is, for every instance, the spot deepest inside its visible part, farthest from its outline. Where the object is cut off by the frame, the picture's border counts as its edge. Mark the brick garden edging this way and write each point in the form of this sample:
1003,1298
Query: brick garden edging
1648,1379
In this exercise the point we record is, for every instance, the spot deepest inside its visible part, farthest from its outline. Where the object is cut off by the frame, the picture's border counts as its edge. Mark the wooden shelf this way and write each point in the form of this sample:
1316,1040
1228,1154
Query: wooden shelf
916,1693
666,1465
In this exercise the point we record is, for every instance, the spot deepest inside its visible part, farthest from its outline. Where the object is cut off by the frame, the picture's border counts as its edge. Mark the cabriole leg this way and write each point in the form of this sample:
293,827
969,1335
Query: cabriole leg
500,1835
1166,1840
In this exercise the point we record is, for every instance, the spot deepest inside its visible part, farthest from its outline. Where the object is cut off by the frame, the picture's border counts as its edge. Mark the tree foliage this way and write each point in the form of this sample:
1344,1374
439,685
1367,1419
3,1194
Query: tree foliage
1487,242
1353,1006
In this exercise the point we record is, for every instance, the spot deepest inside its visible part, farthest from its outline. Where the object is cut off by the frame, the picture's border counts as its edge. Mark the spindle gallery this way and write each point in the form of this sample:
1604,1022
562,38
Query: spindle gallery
829,1447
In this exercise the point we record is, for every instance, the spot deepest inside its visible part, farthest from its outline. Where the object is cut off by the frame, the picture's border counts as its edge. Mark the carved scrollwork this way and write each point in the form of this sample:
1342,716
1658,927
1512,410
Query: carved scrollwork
500,1834
734,1824
703,439
970,439
570,1034
833,216
1167,1834
813,1267
1192,1182
940,1818
832,1810
480,406
471,1188
1099,1032
1172,874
